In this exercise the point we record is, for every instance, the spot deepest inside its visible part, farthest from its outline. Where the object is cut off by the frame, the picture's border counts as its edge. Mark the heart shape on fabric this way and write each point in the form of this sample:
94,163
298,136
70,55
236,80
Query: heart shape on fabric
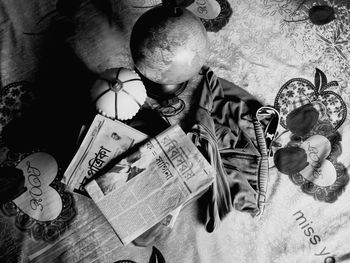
320,171
40,201
301,120
290,160
318,93
206,9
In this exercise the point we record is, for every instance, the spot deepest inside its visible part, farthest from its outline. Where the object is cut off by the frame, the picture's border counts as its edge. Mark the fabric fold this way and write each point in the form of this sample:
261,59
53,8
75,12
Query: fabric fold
228,134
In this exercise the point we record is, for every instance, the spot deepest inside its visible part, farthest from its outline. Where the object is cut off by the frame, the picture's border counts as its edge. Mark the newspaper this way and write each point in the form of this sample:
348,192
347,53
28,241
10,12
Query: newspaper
142,189
104,141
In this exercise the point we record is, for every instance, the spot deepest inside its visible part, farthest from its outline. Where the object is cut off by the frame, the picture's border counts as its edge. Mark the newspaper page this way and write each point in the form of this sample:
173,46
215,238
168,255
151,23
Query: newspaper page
105,140
142,189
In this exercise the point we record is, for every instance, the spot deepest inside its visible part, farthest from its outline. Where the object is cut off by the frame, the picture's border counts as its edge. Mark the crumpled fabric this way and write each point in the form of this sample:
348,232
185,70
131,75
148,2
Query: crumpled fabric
226,131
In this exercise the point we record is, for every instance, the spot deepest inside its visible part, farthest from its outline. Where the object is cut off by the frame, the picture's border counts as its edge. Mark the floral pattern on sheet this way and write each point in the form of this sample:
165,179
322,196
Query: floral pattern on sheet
14,98
282,7
260,51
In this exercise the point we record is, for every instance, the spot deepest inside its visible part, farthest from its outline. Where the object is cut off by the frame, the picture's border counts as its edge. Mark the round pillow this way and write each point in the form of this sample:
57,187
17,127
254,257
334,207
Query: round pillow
118,93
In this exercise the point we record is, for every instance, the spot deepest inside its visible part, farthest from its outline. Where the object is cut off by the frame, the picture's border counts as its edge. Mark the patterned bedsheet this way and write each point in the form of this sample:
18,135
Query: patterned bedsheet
301,69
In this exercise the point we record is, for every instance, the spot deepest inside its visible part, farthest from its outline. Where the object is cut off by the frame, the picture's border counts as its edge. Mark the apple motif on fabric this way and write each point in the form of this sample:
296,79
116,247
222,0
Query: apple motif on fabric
318,94
312,114
40,201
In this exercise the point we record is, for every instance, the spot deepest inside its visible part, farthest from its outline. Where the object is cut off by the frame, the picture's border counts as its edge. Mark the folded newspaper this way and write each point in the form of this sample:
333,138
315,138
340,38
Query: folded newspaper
105,140
156,179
